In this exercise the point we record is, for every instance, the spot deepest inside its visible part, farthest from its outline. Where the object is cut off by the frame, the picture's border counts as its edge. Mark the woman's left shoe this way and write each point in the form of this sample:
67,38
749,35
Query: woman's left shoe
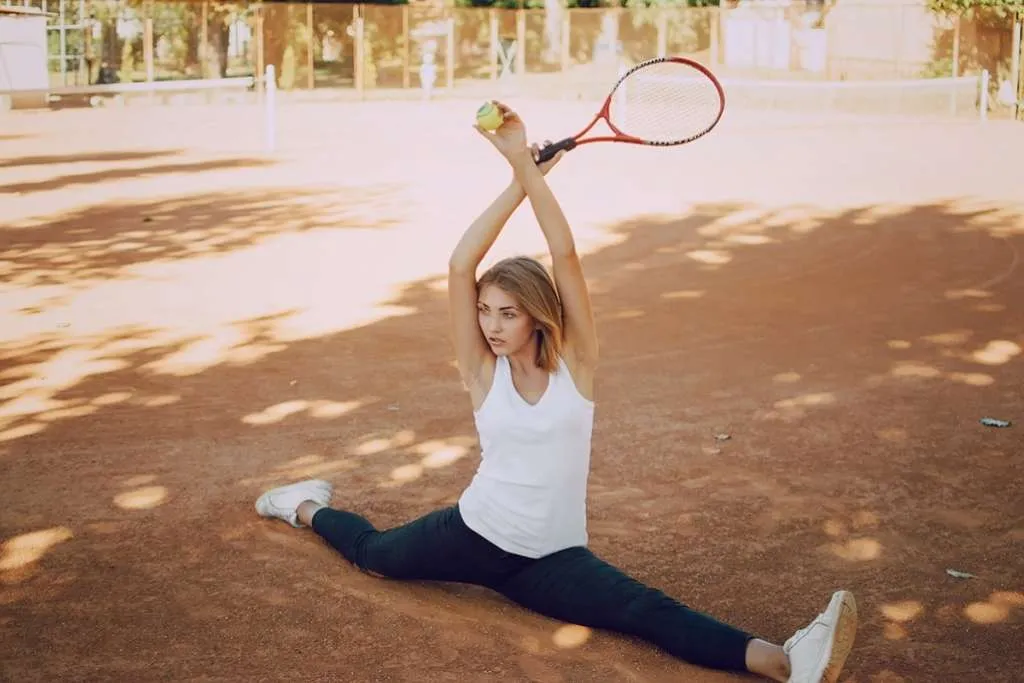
283,502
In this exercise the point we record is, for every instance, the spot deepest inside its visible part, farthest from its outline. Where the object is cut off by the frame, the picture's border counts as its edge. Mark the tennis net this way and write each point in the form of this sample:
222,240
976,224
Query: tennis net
912,98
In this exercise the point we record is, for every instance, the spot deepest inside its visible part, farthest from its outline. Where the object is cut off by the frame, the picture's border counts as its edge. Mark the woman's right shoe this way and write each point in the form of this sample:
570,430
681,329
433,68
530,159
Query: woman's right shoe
818,651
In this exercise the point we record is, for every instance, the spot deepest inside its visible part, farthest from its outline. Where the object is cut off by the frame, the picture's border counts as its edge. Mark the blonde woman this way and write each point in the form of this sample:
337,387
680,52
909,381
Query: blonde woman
527,350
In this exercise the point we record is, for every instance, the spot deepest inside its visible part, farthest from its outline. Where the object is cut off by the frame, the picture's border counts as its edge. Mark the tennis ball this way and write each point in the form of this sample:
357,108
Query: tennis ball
489,117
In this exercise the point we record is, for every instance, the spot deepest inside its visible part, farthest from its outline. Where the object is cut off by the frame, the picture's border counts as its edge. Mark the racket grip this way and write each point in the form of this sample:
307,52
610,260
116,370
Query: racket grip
548,153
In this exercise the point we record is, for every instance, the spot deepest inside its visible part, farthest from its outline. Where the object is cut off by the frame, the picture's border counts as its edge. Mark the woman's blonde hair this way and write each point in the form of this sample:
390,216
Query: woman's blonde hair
526,280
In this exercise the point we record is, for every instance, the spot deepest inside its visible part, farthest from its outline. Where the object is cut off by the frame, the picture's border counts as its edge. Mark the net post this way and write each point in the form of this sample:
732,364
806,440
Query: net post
983,95
953,91
269,110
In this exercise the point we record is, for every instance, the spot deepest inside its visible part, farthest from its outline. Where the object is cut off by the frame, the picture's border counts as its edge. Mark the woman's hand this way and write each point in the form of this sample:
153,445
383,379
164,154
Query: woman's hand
510,140
550,163
510,136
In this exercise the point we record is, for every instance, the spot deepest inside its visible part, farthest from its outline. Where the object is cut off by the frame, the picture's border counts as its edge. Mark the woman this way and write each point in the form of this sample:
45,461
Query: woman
527,350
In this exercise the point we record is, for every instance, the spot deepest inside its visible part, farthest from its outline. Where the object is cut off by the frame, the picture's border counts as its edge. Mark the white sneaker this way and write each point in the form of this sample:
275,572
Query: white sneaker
283,502
818,651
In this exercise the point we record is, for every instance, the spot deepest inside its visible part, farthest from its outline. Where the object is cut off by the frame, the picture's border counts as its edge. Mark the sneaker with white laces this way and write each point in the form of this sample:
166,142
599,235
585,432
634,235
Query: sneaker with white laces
818,651
283,502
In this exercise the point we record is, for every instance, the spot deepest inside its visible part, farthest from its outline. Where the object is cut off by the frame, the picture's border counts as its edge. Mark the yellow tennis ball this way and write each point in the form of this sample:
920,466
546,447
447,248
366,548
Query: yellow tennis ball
489,117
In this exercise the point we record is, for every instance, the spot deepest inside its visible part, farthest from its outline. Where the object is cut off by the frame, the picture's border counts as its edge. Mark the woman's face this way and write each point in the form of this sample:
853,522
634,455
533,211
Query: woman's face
504,324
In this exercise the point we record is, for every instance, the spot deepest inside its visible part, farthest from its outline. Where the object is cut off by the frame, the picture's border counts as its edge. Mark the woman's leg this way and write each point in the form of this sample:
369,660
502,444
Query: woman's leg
436,547
577,587
428,549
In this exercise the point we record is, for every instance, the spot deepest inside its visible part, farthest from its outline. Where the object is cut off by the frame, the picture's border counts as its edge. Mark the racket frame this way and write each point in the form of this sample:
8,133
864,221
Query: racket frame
570,143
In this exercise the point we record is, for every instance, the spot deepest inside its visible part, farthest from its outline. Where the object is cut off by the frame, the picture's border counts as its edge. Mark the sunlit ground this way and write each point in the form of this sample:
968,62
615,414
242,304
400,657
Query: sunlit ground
160,247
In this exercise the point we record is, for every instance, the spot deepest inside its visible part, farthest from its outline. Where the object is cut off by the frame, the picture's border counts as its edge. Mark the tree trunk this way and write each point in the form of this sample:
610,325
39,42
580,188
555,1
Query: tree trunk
276,29
223,34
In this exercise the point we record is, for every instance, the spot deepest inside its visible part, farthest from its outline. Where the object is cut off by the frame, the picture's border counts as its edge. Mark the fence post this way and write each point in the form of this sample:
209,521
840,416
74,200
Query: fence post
956,46
310,39
147,42
406,51
566,38
1015,65
270,109
260,57
715,30
661,22
520,42
204,40
449,54
492,18
358,48
899,41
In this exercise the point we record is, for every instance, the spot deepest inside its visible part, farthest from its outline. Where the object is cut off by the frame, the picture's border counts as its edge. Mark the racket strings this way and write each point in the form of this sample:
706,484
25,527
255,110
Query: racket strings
665,102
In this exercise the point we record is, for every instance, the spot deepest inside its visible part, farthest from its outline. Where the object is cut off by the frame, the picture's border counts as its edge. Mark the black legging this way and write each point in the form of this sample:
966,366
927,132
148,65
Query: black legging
571,585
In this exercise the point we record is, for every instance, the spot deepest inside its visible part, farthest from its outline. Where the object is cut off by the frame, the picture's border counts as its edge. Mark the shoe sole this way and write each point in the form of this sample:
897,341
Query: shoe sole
844,635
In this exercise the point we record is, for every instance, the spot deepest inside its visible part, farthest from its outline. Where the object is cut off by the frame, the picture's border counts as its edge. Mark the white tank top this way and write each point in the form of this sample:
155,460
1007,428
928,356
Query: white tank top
528,496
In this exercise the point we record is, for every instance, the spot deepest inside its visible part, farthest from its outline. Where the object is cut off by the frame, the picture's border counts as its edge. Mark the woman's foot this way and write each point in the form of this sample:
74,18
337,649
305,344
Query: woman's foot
767,660
818,651
283,502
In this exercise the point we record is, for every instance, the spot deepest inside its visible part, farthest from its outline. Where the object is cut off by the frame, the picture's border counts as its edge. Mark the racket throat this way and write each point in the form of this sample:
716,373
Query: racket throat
548,153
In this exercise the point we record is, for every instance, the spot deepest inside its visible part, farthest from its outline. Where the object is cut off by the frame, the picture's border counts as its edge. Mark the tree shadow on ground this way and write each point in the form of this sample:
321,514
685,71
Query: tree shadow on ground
83,157
788,404
134,173
116,238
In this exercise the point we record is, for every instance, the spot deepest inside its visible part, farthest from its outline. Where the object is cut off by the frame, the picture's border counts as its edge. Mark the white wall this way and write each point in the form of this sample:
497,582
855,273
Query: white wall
23,55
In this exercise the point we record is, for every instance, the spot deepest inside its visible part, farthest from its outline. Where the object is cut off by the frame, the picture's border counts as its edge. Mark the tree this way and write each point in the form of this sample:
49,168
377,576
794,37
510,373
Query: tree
962,7
1000,8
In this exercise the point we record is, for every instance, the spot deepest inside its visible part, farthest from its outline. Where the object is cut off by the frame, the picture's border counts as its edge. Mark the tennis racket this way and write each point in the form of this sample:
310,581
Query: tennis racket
663,102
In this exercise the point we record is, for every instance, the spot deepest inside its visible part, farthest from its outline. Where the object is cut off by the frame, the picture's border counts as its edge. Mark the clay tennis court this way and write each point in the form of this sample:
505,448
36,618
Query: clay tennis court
188,320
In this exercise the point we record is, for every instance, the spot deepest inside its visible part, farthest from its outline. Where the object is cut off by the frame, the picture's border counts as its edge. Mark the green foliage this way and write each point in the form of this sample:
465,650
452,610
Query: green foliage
501,4
574,4
1001,7
982,52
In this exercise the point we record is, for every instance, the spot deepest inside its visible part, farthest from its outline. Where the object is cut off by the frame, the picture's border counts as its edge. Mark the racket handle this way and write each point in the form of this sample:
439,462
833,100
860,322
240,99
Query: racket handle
548,153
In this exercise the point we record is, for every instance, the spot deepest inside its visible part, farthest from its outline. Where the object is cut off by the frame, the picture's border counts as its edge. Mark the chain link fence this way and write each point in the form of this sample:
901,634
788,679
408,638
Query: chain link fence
432,50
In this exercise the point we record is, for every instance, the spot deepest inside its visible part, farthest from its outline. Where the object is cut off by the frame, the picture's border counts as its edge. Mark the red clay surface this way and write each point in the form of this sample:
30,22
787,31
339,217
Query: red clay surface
187,321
